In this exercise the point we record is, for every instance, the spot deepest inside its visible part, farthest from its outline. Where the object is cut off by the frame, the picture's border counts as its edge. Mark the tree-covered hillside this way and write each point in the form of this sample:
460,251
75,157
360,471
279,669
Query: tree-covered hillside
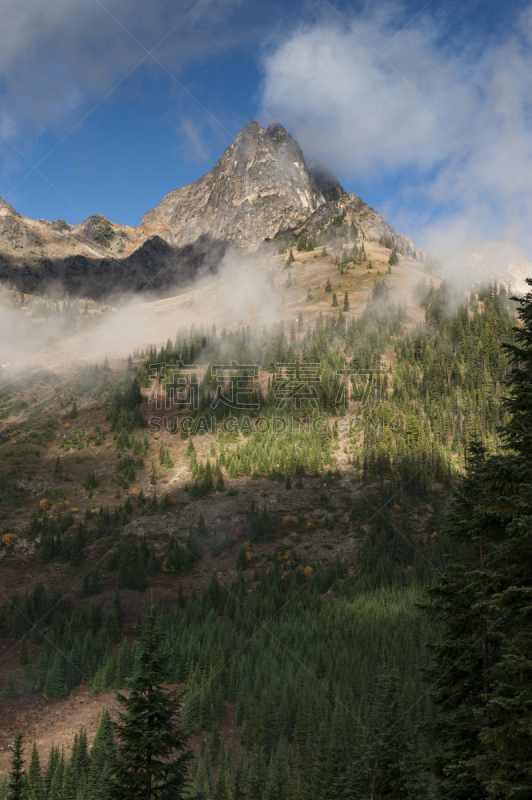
398,671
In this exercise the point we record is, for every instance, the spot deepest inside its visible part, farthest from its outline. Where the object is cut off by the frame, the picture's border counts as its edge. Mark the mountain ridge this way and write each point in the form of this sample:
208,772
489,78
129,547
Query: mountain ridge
259,190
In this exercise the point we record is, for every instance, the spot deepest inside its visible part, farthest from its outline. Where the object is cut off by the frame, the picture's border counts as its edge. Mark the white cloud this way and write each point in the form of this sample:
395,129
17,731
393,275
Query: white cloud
447,120
194,145
60,56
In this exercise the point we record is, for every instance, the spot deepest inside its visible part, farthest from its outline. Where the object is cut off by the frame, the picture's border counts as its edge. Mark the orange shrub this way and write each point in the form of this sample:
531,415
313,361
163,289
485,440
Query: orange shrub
290,520
8,540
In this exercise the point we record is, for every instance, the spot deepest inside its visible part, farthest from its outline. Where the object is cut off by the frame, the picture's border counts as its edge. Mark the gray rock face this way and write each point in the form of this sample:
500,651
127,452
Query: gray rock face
60,225
6,209
326,182
353,210
260,186
260,189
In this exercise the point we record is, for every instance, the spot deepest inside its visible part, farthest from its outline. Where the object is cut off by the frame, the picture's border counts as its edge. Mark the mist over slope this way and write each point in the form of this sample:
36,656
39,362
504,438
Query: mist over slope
492,262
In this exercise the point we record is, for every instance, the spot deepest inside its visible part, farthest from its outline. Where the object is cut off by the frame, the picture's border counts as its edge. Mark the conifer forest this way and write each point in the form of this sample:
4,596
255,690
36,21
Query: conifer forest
392,664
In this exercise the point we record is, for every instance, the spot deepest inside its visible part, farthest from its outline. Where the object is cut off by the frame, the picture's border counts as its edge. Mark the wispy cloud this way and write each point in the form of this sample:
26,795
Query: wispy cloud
58,57
445,121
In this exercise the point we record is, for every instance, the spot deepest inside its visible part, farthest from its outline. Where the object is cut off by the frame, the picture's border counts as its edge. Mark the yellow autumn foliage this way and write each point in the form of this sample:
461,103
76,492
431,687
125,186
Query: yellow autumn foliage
8,540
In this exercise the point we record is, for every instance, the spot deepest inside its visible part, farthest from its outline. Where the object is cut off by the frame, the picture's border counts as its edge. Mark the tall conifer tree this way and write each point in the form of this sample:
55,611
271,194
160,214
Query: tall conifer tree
152,755
17,775
482,670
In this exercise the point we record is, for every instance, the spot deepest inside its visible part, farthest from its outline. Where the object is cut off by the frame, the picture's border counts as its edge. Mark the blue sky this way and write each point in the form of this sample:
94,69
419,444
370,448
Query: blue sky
420,108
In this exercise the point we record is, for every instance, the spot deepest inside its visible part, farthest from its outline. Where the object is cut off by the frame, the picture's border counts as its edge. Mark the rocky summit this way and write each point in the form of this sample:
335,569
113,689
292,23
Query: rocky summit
260,190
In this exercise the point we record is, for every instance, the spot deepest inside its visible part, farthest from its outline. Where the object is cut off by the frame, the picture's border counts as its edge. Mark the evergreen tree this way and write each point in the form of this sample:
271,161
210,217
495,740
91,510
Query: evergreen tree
53,762
23,657
399,773
35,784
57,789
92,482
482,670
76,553
220,485
4,628
55,685
152,757
208,481
202,527
117,608
17,776
47,549
102,757
506,584
242,558
91,583
10,690
301,243
152,564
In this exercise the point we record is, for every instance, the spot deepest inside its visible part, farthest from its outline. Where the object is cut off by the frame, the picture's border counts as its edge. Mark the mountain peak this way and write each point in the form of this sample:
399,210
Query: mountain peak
260,186
252,127
273,131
